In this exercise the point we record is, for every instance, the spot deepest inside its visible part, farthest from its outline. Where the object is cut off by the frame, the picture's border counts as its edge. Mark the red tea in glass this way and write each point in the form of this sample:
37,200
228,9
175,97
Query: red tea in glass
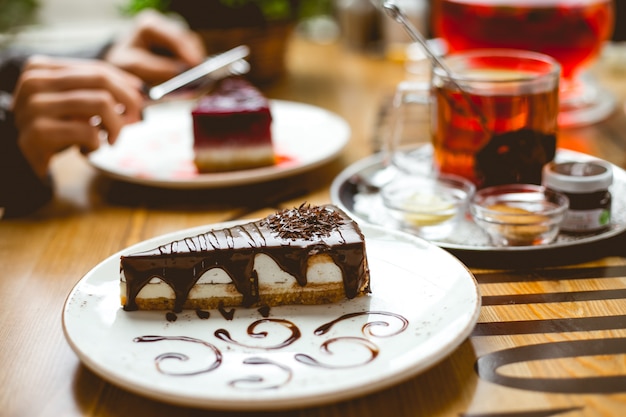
501,127
572,31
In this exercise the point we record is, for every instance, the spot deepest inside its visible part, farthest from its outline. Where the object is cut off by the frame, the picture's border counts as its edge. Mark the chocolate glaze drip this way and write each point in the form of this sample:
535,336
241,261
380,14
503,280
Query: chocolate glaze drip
227,314
325,328
368,344
224,334
180,356
256,380
289,237
253,381
204,315
264,311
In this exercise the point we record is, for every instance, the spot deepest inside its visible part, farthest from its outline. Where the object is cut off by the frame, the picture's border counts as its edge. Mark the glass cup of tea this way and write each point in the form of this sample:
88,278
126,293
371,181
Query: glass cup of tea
571,31
491,117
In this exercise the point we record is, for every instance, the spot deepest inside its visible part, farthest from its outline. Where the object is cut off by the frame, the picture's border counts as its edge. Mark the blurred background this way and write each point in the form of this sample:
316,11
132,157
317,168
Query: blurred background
356,22
59,24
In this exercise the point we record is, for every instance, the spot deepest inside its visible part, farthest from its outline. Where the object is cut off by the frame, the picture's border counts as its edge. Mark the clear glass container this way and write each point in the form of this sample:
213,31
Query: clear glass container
571,31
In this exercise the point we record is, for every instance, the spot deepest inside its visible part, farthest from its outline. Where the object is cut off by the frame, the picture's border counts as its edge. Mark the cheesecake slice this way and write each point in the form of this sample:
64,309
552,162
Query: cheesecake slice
232,128
304,255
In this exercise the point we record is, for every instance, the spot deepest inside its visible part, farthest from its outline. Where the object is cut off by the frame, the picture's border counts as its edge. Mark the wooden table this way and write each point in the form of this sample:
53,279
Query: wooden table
549,341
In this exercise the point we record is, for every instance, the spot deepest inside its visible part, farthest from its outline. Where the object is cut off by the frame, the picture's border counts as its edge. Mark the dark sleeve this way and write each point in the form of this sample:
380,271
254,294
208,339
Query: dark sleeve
11,63
21,190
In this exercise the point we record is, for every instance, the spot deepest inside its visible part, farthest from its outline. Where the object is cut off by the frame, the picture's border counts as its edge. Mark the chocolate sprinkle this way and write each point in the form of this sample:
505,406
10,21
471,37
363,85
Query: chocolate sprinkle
304,222
227,314
203,314
264,311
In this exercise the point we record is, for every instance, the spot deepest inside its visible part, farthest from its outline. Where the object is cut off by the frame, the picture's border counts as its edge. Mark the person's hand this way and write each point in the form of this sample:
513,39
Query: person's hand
59,103
156,49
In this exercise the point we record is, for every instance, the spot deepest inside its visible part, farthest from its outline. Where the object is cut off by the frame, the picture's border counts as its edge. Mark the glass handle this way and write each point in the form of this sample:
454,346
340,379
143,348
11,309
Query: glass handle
409,128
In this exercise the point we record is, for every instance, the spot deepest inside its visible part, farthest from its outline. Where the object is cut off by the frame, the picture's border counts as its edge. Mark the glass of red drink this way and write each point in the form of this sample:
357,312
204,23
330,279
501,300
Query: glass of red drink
494,122
571,31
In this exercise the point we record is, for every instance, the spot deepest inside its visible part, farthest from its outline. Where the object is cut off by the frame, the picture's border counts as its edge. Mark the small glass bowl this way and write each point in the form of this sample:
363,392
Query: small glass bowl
428,206
519,214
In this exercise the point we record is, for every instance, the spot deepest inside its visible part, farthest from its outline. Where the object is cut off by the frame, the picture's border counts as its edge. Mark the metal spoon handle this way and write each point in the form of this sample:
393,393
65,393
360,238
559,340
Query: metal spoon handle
396,14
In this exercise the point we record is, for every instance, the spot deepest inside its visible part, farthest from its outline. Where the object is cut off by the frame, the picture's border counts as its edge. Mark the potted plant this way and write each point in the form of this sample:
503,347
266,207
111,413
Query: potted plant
14,14
263,25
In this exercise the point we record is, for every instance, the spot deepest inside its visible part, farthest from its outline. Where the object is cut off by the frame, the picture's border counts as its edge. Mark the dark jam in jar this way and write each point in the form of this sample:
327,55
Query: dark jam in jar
587,186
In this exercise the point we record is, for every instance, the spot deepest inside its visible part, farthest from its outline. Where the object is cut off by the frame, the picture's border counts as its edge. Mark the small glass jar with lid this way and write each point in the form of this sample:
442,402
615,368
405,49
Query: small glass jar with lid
586,184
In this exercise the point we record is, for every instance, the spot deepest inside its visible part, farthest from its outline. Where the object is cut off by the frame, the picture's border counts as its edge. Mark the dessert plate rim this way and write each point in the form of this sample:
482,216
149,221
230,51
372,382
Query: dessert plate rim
158,152
403,267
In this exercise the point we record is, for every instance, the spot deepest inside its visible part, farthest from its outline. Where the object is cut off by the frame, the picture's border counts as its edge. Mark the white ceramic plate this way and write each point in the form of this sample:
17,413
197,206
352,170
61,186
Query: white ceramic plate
159,150
424,304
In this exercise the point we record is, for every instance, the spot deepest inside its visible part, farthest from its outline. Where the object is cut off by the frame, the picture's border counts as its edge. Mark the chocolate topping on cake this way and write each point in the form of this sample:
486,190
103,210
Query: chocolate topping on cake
289,237
233,95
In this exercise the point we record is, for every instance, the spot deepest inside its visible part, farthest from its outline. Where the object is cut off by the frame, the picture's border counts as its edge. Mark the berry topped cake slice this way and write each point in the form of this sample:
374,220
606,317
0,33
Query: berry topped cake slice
304,255
232,128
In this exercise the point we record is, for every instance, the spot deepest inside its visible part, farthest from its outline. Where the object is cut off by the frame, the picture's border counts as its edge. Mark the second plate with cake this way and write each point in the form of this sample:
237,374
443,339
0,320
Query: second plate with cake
159,150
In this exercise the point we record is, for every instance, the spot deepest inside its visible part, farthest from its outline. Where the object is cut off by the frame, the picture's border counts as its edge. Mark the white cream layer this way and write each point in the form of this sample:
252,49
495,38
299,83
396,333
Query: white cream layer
216,282
227,156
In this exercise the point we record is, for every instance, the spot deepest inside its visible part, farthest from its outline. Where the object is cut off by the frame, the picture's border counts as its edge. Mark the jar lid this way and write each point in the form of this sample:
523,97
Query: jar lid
578,177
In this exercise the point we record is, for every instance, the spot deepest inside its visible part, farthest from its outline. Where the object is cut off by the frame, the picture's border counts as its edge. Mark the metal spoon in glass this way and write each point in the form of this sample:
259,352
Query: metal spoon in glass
396,14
